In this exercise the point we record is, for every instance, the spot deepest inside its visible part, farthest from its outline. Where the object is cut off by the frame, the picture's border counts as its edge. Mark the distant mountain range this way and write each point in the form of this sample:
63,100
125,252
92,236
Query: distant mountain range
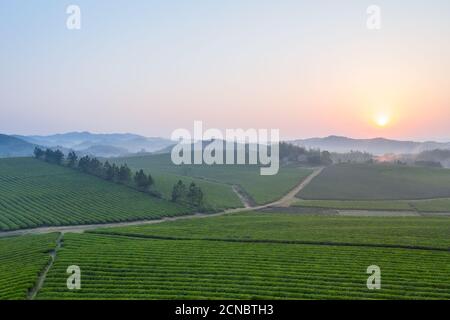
113,145
376,146
103,145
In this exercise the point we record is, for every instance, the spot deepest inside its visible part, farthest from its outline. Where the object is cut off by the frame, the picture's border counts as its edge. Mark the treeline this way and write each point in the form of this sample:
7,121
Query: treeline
428,163
352,157
290,153
122,174
49,155
111,172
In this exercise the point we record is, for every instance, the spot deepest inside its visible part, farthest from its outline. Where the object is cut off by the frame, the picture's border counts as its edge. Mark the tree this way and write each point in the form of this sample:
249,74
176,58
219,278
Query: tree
314,157
58,156
108,171
83,164
48,155
178,191
195,195
38,153
53,156
124,174
325,158
142,181
290,153
72,158
116,171
96,167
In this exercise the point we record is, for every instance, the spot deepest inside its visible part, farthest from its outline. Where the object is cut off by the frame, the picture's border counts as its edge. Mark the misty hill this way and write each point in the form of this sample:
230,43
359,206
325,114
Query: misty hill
115,144
103,151
14,147
377,146
438,156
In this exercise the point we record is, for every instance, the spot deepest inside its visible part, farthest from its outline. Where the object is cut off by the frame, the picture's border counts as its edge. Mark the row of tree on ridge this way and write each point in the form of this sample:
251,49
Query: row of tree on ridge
122,174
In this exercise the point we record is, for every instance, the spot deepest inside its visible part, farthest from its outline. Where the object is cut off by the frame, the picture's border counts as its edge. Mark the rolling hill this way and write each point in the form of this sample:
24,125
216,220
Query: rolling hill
260,189
376,146
115,144
441,156
34,194
14,147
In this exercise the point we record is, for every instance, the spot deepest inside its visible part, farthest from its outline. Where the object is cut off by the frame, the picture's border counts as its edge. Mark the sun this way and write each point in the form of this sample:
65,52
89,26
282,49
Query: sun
382,120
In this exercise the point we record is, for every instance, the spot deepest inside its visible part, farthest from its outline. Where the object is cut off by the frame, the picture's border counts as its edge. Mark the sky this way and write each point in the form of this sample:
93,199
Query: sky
307,68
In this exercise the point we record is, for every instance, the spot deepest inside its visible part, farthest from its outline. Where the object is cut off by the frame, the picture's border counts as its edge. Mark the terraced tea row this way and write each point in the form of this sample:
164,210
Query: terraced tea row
395,231
378,182
131,268
426,206
34,194
21,260
399,205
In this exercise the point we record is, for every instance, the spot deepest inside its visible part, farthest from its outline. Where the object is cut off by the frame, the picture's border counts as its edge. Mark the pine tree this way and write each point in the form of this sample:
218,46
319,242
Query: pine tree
108,171
179,192
141,180
195,195
124,174
38,153
72,158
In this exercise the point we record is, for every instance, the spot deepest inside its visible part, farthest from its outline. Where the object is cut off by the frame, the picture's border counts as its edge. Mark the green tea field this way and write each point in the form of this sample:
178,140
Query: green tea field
21,261
240,257
390,205
291,227
34,194
246,255
261,189
422,206
378,182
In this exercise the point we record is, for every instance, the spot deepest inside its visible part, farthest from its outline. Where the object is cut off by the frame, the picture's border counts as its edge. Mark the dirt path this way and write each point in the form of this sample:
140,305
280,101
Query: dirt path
248,203
283,202
40,281
287,200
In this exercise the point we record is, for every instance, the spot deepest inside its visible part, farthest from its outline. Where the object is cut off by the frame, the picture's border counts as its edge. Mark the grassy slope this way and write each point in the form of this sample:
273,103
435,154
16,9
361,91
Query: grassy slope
262,189
131,268
378,182
21,260
34,193
411,231
217,196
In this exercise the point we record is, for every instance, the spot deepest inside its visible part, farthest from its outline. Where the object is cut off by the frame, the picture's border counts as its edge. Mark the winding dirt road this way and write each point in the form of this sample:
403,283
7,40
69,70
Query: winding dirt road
43,275
287,200
283,202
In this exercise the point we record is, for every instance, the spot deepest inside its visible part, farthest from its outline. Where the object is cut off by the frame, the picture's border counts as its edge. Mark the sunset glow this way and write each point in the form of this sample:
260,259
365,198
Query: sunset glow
382,120
294,67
